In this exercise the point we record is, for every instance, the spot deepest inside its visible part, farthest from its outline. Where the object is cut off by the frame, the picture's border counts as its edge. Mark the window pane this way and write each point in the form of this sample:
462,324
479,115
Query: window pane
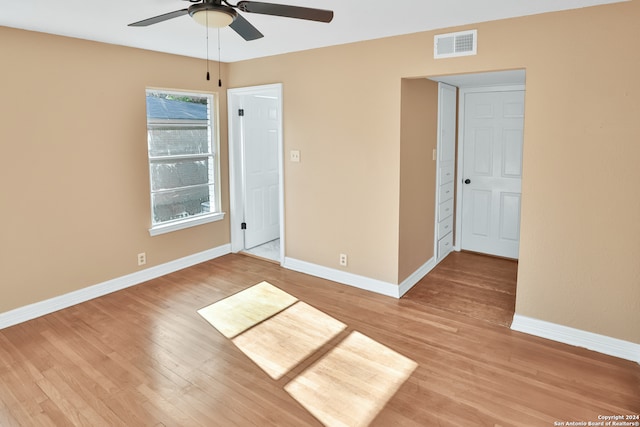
182,163
182,203
180,106
178,140
168,174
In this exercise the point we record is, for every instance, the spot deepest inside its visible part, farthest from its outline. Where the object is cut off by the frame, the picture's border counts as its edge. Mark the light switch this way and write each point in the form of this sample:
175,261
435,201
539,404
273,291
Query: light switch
294,155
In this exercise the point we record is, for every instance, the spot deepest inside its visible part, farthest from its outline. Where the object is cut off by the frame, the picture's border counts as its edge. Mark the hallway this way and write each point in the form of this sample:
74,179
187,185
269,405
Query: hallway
476,285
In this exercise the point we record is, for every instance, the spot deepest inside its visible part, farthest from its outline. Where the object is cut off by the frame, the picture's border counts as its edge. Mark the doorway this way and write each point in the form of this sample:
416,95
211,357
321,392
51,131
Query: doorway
473,285
476,284
488,188
255,171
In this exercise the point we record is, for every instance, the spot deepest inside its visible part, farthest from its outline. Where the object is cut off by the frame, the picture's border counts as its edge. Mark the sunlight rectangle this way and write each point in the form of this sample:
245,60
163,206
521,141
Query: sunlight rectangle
239,312
287,338
352,383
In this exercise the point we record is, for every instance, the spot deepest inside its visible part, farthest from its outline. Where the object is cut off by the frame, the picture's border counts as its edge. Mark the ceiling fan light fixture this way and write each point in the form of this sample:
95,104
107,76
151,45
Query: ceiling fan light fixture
216,17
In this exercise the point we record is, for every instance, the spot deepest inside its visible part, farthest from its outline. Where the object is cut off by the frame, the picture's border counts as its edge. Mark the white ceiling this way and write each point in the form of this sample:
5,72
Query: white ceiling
354,20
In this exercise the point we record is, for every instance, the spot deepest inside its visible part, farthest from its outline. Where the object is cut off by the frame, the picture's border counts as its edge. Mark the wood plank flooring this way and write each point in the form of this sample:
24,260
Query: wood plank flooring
479,286
144,357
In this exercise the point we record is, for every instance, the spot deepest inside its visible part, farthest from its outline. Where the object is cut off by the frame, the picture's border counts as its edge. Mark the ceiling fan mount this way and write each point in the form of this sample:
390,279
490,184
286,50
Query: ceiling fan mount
213,13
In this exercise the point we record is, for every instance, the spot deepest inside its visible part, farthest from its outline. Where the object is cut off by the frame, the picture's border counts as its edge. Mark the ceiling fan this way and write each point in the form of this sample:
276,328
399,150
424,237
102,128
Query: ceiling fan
220,13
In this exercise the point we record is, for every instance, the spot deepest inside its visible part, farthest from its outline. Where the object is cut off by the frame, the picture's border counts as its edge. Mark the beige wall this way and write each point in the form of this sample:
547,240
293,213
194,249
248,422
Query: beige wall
580,238
342,111
418,139
75,193
70,223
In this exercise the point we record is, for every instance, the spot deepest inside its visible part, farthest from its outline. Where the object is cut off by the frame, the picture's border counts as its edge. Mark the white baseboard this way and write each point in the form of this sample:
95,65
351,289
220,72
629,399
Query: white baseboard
31,311
417,275
362,282
576,337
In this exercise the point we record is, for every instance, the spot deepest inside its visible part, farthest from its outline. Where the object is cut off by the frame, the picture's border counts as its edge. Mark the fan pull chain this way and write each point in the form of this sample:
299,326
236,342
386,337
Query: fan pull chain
219,73
206,15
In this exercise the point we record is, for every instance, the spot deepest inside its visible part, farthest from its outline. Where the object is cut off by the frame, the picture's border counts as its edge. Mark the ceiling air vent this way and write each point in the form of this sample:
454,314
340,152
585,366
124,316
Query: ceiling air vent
462,43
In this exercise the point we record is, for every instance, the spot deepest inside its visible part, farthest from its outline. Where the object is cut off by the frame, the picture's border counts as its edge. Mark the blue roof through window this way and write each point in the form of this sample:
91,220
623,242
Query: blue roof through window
161,108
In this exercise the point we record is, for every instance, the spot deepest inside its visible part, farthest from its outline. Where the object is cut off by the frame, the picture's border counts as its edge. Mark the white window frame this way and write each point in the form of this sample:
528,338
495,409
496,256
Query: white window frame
214,135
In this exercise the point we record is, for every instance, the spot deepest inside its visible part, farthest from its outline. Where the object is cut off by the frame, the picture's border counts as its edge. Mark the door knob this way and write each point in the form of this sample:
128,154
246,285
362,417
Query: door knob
467,181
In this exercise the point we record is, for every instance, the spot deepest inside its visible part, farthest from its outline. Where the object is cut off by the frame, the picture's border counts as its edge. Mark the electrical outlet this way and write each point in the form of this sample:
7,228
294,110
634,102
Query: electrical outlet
142,258
294,156
343,260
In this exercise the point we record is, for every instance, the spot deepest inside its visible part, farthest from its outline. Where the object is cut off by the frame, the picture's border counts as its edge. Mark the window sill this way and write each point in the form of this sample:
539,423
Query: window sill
185,223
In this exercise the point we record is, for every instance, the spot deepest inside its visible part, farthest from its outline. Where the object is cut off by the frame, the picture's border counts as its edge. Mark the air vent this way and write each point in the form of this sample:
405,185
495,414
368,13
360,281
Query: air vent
462,43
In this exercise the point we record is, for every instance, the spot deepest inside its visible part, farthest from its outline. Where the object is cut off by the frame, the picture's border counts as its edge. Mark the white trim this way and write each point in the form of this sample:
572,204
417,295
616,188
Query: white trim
281,170
213,125
441,88
494,88
457,246
417,275
236,199
31,311
168,227
236,213
362,282
577,337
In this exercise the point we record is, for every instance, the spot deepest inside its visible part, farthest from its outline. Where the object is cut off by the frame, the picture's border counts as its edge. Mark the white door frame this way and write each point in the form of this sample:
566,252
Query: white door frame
442,87
459,166
236,160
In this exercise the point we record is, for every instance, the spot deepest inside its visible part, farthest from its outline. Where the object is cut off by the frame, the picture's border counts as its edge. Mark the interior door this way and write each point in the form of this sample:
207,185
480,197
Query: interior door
260,129
492,172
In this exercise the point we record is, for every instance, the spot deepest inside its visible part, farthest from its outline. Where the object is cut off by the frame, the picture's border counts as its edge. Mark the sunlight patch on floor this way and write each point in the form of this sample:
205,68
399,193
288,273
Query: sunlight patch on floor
351,384
348,386
239,312
289,337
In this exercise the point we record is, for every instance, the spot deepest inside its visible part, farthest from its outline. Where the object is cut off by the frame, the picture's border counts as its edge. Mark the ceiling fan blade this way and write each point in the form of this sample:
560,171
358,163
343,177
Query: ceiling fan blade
245,29
159,18
287,11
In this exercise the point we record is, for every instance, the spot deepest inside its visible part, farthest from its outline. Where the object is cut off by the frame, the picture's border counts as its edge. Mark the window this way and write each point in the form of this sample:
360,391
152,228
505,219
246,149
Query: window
183,163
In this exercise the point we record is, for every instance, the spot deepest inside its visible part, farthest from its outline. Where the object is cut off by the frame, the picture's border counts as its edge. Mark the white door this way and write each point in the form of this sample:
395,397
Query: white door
255,166
260,124
492,172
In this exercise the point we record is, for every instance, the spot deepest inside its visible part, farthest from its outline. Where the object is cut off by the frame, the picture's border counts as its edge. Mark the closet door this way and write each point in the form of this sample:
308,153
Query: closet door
491,172
445,179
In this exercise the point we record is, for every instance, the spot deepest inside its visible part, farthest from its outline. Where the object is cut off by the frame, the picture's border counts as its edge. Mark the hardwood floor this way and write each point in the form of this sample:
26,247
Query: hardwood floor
479,286
144,357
